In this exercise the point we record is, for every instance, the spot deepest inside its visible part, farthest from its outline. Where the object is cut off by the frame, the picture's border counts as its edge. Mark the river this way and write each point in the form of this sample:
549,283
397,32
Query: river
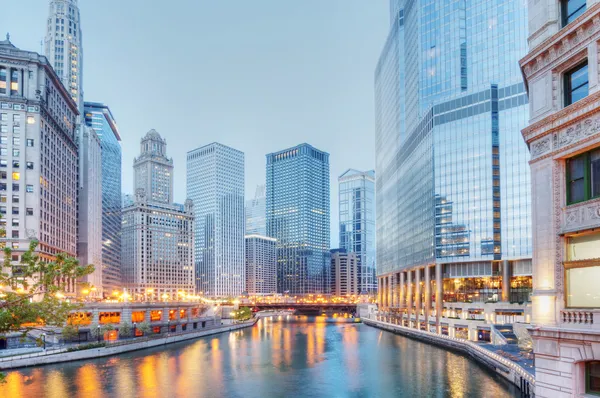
284,357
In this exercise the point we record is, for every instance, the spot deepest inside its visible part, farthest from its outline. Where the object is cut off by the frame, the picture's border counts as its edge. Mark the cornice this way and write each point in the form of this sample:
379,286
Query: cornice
562,41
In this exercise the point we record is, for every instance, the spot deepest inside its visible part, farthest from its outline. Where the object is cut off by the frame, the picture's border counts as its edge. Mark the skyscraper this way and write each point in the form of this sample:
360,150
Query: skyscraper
298,217
261,265
452,172
99,117
153,170
256,219
64,50
215,183
38,156
157,236
357,223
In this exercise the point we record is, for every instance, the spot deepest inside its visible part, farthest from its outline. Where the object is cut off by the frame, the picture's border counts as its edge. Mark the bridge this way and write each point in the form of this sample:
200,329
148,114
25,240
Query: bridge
304,308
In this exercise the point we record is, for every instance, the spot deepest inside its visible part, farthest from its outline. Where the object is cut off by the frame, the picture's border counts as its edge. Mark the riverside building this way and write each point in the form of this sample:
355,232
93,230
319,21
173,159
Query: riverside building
298,217
357,223
215,183
38,157
157,247
99,117
261,265
345,268
561,74
453,204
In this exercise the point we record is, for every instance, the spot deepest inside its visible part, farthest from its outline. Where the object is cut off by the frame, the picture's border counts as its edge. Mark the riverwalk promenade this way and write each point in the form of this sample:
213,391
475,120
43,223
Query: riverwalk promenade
108,348
520,376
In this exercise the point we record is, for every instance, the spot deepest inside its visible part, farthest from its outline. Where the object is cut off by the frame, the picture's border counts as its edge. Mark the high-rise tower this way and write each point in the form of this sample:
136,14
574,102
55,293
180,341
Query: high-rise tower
298,217
256,221
357,223
64,47
99,117
153,170
215,183
64,50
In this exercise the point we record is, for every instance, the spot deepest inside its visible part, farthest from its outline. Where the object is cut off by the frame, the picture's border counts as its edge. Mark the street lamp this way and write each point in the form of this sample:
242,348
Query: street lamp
98,334
134,324
44,340
168,327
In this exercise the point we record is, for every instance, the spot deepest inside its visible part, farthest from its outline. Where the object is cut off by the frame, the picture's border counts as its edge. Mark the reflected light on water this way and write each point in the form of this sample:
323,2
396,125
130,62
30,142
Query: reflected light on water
275,357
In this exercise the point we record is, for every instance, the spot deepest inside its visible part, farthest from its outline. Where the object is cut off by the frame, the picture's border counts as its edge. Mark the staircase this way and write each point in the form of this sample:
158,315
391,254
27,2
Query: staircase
508,333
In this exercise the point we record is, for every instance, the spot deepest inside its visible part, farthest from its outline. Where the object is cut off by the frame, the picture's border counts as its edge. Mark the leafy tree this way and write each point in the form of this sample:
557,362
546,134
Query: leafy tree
70,332
145,328
32,293
125,330
242,314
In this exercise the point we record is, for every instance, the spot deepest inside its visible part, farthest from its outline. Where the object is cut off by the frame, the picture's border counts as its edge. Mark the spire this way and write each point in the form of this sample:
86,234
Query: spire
7,36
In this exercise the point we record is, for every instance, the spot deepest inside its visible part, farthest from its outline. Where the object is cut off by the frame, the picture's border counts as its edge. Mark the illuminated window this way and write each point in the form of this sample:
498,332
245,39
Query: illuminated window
14,82
16,176
30,120
29,142
3,80
583,271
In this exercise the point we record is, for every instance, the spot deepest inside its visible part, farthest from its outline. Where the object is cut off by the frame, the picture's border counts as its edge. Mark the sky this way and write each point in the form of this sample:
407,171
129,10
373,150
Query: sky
259,76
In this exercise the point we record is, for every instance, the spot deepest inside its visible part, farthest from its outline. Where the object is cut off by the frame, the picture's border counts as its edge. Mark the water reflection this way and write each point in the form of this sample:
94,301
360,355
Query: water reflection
288,357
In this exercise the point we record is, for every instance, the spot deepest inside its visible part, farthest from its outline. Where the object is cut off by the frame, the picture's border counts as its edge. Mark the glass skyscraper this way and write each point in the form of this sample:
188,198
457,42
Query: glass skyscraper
298,217
357,223
452,172
256,219
215,183
99,117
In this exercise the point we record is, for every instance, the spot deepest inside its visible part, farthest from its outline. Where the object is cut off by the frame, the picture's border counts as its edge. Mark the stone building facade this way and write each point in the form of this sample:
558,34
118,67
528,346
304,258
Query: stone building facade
561,72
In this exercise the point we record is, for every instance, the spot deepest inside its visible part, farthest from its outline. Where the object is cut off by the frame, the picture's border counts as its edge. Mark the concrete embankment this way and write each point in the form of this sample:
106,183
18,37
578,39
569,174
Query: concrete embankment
501,366
63,355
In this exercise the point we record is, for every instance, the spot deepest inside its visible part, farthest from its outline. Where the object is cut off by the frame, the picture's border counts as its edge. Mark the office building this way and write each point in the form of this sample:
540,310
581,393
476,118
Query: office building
64,50
453,206
561,74
157,245
99,117
298,217
256,219
38,157
261,265
345,268
357,223
215,183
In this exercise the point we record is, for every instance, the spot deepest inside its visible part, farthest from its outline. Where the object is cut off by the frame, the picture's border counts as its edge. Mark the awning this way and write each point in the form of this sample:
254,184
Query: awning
483,328
461,326
475,309
432,322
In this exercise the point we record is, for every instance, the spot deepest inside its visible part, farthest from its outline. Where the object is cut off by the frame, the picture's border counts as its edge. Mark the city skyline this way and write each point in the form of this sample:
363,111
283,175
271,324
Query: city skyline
280,116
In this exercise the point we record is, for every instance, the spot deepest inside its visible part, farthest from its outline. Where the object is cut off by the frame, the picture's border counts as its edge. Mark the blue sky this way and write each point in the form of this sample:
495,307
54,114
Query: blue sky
259,76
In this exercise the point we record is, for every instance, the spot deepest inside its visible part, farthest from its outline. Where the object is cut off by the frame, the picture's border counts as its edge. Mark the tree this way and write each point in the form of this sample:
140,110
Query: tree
145,328
70,332
33,291
242,314
125,330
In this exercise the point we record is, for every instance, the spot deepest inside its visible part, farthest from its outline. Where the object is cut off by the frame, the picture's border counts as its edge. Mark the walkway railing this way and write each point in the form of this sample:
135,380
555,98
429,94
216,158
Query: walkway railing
116,343
509,364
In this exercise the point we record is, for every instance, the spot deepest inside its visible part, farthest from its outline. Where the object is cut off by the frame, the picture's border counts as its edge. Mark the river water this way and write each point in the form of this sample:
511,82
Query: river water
282,357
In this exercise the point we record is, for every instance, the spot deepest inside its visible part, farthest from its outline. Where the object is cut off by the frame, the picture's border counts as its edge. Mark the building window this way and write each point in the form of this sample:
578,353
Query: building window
16,153
583,271
3,79
3,163
29,142
30,120
15,234
15,211
571,9
14,82
29,165
16,164
592,377
16,141
576,84
583,177
15,222
30,211
30,188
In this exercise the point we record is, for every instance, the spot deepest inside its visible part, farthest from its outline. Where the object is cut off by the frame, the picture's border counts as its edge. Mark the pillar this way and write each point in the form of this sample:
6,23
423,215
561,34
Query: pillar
418,293
394,290
505,281
402,299
427,293
409,290
438,296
